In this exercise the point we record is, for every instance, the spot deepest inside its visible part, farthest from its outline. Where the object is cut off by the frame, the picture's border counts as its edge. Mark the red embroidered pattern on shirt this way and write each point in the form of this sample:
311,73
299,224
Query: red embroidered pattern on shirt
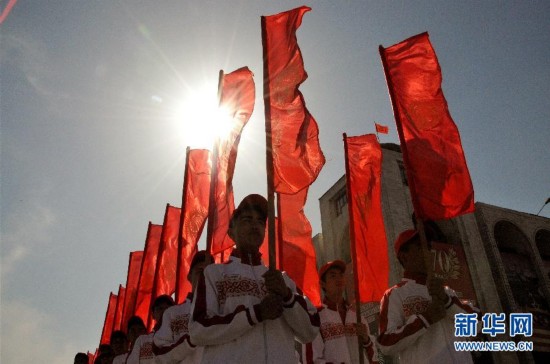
414,305
333,330
239,286
146,350
180,324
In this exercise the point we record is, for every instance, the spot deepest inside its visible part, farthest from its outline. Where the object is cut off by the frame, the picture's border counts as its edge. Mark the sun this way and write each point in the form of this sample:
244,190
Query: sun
199,118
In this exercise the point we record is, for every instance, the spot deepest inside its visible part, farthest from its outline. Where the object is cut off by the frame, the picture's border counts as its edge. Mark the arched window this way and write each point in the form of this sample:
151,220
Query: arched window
513,246
542,239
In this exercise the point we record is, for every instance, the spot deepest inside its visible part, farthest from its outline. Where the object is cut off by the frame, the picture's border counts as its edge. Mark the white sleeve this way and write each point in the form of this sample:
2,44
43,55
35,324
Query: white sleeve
300,314
396,333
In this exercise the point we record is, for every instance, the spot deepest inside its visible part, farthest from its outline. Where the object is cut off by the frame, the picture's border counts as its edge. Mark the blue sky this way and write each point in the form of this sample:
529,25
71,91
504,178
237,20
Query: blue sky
93,142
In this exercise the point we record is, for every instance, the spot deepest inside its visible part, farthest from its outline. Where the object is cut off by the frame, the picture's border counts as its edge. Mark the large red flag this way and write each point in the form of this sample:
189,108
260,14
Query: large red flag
437,173
297,155
368,238
109,319
298,252
165,275
119,307
132,281
196,190
147,274
237,95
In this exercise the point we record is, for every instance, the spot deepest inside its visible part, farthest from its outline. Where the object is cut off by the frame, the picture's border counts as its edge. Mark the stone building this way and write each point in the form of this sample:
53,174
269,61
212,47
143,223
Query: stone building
496,257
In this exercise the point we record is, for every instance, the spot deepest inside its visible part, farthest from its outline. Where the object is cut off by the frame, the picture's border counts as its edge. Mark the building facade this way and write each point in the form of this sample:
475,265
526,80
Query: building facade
497,258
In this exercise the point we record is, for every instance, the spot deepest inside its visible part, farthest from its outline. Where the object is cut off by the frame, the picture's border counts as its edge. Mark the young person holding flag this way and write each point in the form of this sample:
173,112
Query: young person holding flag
244,312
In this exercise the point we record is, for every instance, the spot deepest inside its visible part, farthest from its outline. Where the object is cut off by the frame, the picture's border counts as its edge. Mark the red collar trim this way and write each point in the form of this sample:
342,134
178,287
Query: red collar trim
333,306
417,277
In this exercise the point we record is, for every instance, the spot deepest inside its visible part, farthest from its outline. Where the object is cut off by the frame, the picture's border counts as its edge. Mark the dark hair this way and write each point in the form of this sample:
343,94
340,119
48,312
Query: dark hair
81,356
162,299
118,334
135,320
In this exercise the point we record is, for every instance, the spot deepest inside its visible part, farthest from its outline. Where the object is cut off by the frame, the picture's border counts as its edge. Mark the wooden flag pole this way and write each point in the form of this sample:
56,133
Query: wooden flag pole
269,156
213,183
410,179
352,246
182,222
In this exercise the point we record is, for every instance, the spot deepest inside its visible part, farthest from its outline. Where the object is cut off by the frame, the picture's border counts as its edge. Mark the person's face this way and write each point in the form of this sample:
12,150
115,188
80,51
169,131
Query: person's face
335,282
196,272
119,345
136,331
412,258
249,230
159,310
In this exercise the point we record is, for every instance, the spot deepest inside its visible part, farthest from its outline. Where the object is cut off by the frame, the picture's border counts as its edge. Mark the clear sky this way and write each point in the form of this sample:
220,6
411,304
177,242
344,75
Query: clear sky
92,146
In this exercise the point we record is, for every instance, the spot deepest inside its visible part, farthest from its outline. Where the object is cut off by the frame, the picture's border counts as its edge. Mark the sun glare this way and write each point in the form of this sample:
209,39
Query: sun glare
200,120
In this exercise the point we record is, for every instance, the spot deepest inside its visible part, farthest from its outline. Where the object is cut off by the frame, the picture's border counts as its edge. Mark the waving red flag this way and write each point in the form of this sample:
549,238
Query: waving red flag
382,129
119,307
297,155
132,281
109,319
298,252
237,96
196,190
369,246
437,173
165,275
147,274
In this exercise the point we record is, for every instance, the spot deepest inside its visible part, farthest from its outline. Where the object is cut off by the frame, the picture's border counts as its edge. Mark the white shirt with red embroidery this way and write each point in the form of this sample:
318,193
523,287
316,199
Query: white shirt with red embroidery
226,320
142,351
171,343
337,340
405,332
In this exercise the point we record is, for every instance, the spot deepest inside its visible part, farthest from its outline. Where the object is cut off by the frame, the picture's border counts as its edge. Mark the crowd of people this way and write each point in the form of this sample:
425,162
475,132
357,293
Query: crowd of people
242,311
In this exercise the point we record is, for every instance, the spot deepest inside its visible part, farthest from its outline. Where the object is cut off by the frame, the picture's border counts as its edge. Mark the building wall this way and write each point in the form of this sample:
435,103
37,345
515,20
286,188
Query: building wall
485,238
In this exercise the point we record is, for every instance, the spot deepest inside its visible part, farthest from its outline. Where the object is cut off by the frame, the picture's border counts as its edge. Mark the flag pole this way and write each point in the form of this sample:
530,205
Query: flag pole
213,183
410,179
546,203
269,155
352,243
182,222
376,130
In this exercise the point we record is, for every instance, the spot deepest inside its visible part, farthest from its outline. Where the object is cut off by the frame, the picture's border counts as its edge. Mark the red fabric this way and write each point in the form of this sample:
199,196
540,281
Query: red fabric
237,102
91,357
109,319
299,259
147,274
132,281
119,307
297,155
167,261
370,253
382,129
196,192
438,176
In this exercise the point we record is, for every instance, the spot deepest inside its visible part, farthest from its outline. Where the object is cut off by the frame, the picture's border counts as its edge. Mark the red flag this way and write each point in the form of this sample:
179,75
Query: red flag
368,237
382,129
165,275
237,97
297,155
119,307
147,274
437,173
132,281
299,259
109,319
196,190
